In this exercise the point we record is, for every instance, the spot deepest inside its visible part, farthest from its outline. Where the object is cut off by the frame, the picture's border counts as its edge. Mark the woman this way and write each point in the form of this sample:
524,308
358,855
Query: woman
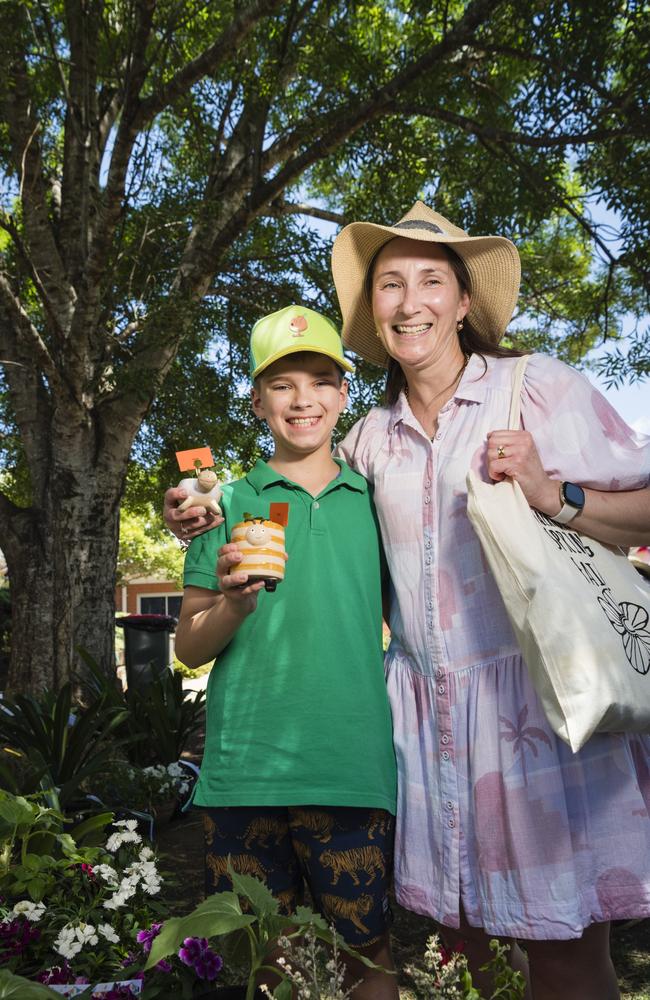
501,829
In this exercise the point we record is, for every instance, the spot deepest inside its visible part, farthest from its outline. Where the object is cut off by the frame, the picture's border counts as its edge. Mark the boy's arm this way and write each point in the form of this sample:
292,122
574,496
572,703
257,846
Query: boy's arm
210,618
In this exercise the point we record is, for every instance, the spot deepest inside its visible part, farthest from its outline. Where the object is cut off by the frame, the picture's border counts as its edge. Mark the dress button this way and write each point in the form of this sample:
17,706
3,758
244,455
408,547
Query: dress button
438,435
441,688
428,483
445,754
444,739
451,822
427,499
439,674
449,804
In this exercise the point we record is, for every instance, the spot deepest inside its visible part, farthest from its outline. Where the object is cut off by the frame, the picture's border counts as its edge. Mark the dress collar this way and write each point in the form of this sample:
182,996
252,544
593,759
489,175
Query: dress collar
472,386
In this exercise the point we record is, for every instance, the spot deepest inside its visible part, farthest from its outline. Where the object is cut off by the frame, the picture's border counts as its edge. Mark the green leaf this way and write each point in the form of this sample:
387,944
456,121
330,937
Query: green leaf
284,991
15,811
262,900
90,825
218,914
17,988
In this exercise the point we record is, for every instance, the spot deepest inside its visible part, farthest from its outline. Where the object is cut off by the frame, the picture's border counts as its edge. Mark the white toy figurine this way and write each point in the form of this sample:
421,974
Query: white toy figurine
202,491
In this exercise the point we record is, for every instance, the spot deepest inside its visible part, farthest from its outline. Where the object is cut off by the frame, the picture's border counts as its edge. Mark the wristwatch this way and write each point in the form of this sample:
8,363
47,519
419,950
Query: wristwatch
573,500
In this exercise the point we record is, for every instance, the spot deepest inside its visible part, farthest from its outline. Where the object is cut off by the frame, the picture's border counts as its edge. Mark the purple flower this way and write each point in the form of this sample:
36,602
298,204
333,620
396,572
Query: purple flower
197,954
56,975
15,937
146,938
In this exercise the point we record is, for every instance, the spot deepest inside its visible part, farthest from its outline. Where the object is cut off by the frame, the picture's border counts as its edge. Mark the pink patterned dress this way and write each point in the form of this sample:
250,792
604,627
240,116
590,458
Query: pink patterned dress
493,809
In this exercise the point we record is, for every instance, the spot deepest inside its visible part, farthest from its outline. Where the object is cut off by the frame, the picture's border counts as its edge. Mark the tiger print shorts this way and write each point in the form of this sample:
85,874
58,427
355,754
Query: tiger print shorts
344,855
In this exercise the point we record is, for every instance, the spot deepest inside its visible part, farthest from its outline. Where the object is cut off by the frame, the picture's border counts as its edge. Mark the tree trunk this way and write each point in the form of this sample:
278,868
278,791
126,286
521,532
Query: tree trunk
62,571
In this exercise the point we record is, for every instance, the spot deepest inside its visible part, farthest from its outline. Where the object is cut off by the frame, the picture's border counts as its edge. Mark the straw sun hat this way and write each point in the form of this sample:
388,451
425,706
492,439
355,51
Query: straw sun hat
492,263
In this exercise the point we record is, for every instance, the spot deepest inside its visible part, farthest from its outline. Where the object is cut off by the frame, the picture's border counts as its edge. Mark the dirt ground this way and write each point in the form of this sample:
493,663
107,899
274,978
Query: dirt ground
180,843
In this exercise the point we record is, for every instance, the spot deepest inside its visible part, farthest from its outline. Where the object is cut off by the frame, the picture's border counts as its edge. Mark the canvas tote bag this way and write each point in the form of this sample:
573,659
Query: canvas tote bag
578,608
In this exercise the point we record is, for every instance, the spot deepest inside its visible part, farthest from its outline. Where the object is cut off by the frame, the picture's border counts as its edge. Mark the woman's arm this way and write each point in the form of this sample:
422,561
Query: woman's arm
210,618
616,518
186,524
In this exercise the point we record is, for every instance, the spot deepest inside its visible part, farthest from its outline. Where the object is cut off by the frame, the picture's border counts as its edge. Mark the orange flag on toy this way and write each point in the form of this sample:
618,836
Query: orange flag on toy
194,458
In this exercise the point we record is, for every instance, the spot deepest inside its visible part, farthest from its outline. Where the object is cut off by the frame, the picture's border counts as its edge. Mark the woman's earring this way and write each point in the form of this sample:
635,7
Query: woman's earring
459,325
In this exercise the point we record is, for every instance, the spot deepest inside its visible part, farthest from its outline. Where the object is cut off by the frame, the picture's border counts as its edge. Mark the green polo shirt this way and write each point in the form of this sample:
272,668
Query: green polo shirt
297,711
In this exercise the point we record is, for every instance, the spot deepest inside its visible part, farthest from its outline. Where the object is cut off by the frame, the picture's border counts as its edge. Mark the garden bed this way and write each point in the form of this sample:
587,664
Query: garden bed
182,841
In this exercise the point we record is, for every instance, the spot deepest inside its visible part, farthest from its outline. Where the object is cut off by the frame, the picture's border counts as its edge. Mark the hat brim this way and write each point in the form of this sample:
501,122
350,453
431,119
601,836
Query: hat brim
492,262
340,362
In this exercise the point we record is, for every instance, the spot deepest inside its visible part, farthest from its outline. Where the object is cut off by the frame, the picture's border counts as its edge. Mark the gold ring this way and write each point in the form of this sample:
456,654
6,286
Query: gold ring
501,452
183,529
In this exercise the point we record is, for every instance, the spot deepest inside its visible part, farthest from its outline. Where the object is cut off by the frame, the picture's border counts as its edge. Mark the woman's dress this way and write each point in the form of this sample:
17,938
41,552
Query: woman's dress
493,809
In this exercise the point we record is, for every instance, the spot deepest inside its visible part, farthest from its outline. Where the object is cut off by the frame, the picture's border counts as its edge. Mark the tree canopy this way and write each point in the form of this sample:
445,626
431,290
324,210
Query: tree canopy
165,164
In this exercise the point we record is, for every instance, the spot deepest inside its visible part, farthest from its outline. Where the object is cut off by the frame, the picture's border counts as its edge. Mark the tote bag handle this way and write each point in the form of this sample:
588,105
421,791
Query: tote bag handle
515,400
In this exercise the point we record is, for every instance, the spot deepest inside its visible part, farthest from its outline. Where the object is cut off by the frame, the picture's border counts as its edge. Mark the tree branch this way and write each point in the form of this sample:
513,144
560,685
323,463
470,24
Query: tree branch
21,323
281,207
493,134
247,18
330,130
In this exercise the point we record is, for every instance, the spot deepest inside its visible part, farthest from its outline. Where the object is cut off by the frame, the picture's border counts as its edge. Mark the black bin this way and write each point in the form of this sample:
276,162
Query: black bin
146,647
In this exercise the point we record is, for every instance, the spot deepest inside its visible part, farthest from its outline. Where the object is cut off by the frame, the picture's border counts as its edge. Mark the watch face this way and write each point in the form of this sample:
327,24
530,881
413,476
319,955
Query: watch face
574,495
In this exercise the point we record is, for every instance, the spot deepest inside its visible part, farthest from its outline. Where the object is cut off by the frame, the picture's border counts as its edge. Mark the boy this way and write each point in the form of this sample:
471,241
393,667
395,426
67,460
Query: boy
298,776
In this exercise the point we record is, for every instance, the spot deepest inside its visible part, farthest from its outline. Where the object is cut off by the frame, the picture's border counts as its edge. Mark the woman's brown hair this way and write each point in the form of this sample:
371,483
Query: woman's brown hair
471,342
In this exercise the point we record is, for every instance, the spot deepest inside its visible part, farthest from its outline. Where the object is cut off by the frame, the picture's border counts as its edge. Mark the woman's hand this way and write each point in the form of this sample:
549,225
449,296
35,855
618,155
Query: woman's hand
234,586
514,454
187,524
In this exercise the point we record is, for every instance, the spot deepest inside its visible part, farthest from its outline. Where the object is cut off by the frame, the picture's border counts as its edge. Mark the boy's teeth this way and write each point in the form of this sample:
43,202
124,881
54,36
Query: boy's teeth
303,421
419,328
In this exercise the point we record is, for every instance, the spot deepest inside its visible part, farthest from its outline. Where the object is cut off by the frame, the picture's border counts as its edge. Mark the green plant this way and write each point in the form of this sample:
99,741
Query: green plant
222,914
141,788
169,715
446,977
69,910
18,988
160,717
59,744
315,972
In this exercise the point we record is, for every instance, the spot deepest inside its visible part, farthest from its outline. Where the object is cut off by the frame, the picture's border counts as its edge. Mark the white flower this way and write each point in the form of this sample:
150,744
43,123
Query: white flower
146,854
71,940
116,840
106,873
175,770
107,931
128,824
32,911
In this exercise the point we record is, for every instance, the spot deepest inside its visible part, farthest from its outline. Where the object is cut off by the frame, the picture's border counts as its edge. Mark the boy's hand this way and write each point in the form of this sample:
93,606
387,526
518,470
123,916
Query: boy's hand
235,586
186,524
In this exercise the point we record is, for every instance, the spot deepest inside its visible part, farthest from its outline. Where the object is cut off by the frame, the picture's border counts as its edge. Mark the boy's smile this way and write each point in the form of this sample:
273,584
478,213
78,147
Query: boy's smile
300,397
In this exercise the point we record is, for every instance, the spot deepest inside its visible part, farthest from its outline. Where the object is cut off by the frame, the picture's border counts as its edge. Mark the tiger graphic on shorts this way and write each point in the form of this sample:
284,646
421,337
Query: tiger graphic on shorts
302,851
348,909
318,823
369,860
243,864
262,829
210,830
378,821
287,900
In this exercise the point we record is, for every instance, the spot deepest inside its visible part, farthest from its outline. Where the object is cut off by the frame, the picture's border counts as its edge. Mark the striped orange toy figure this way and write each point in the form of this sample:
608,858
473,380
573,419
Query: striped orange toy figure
261,544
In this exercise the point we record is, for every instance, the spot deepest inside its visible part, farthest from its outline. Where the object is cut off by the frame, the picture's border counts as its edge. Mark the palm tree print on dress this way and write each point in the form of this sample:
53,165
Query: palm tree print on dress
522,736
630,621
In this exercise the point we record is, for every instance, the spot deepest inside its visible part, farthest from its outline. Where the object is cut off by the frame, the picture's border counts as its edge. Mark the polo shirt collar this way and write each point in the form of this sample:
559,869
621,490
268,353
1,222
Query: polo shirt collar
472,386
262,476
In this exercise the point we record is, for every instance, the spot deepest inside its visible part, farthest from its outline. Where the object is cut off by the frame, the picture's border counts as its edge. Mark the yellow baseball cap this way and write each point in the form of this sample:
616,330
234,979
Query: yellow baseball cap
294,329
